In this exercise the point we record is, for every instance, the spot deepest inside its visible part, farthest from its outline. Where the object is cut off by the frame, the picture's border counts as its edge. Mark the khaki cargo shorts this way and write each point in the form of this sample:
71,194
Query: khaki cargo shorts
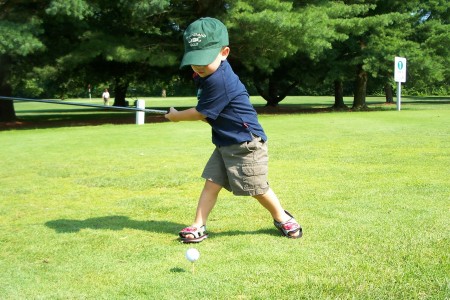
241,168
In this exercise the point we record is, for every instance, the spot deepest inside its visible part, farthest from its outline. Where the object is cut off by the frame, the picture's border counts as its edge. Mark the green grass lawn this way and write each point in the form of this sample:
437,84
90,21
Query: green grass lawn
93,212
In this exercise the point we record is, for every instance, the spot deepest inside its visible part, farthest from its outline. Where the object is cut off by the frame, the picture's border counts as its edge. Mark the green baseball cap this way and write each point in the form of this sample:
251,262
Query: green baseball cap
203,40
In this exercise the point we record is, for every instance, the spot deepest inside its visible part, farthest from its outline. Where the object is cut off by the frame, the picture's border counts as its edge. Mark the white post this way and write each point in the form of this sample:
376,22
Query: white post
399,96
399,77
140,115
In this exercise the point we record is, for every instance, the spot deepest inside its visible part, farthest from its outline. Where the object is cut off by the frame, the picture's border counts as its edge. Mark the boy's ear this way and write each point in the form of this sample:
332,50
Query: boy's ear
225,52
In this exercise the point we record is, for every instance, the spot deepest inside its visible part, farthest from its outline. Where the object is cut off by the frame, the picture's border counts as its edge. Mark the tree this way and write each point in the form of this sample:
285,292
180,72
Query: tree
283,44
266,35
50,48
428,69
118,41
112,43
339,61
362,32
389,29
85,42
19,31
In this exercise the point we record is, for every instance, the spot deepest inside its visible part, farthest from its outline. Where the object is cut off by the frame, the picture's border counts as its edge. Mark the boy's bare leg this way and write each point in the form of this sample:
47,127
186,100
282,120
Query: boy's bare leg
206,202
270,201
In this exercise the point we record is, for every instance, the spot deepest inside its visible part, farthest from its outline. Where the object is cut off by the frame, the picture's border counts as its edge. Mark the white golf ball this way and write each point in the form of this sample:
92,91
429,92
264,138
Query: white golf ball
192,254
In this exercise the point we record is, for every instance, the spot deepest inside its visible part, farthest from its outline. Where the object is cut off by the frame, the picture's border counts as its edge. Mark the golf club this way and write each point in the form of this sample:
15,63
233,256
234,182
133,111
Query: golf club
150,111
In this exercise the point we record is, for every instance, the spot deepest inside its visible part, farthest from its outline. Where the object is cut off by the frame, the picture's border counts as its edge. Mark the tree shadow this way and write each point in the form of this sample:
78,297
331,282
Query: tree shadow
59,121
112,223
121,222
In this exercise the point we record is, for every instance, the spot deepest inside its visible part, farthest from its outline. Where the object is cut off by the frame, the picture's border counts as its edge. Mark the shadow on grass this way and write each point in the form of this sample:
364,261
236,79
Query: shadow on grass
177,270
67,120
266,231
122,222
112,223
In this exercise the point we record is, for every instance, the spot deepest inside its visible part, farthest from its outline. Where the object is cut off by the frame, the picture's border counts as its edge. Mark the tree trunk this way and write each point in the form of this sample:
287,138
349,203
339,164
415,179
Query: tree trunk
120,91
359,100
388,91
7,112
339,95
273,95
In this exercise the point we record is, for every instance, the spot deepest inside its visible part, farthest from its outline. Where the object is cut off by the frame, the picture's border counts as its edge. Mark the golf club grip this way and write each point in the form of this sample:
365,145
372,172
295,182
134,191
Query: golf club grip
156,111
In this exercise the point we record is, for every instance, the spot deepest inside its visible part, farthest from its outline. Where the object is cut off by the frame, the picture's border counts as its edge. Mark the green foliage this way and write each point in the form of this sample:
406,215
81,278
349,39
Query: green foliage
247,20
381,31
144,9
20,38
60,46
78,9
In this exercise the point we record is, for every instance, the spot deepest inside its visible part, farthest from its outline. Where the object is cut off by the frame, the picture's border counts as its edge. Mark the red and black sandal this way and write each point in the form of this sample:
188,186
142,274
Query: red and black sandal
199,234
289,228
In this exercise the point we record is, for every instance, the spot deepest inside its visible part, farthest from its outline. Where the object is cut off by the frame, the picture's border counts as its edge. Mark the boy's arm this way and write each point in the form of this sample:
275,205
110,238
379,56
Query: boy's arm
190,114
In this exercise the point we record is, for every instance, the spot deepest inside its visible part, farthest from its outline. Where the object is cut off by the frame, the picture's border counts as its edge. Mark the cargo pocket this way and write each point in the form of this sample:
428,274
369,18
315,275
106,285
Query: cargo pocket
255,144
254,176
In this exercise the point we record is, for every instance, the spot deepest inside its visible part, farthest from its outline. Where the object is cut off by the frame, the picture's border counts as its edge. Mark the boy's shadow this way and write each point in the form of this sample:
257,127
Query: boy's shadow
112,223
122,222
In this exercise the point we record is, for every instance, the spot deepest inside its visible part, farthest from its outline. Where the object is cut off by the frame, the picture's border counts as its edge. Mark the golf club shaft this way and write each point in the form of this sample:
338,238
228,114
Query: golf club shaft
150,111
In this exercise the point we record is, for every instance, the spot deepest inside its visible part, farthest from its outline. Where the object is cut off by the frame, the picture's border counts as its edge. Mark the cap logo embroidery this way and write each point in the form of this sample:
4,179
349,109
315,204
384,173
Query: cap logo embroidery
195,38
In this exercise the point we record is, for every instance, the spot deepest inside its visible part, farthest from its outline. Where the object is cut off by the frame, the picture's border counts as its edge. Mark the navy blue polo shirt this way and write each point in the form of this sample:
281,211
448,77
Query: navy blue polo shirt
225,102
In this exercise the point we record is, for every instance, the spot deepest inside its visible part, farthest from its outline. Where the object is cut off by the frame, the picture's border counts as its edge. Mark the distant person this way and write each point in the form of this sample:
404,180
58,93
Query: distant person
105,97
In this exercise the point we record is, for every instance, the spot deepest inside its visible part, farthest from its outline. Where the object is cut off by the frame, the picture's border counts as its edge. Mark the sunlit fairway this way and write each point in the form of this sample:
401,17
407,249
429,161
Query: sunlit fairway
93,212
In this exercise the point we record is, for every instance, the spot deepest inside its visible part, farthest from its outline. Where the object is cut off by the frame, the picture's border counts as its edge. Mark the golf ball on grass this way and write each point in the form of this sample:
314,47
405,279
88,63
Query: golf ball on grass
192,254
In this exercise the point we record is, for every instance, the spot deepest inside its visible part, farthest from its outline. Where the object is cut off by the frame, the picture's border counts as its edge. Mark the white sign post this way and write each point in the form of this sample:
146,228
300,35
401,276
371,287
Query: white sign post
399,77
140,115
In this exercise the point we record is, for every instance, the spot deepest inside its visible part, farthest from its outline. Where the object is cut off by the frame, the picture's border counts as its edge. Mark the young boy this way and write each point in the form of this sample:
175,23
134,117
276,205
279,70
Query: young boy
239,162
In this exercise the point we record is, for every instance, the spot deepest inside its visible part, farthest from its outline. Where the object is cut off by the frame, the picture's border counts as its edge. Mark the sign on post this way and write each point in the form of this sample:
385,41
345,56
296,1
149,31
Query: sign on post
400,69
399,77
